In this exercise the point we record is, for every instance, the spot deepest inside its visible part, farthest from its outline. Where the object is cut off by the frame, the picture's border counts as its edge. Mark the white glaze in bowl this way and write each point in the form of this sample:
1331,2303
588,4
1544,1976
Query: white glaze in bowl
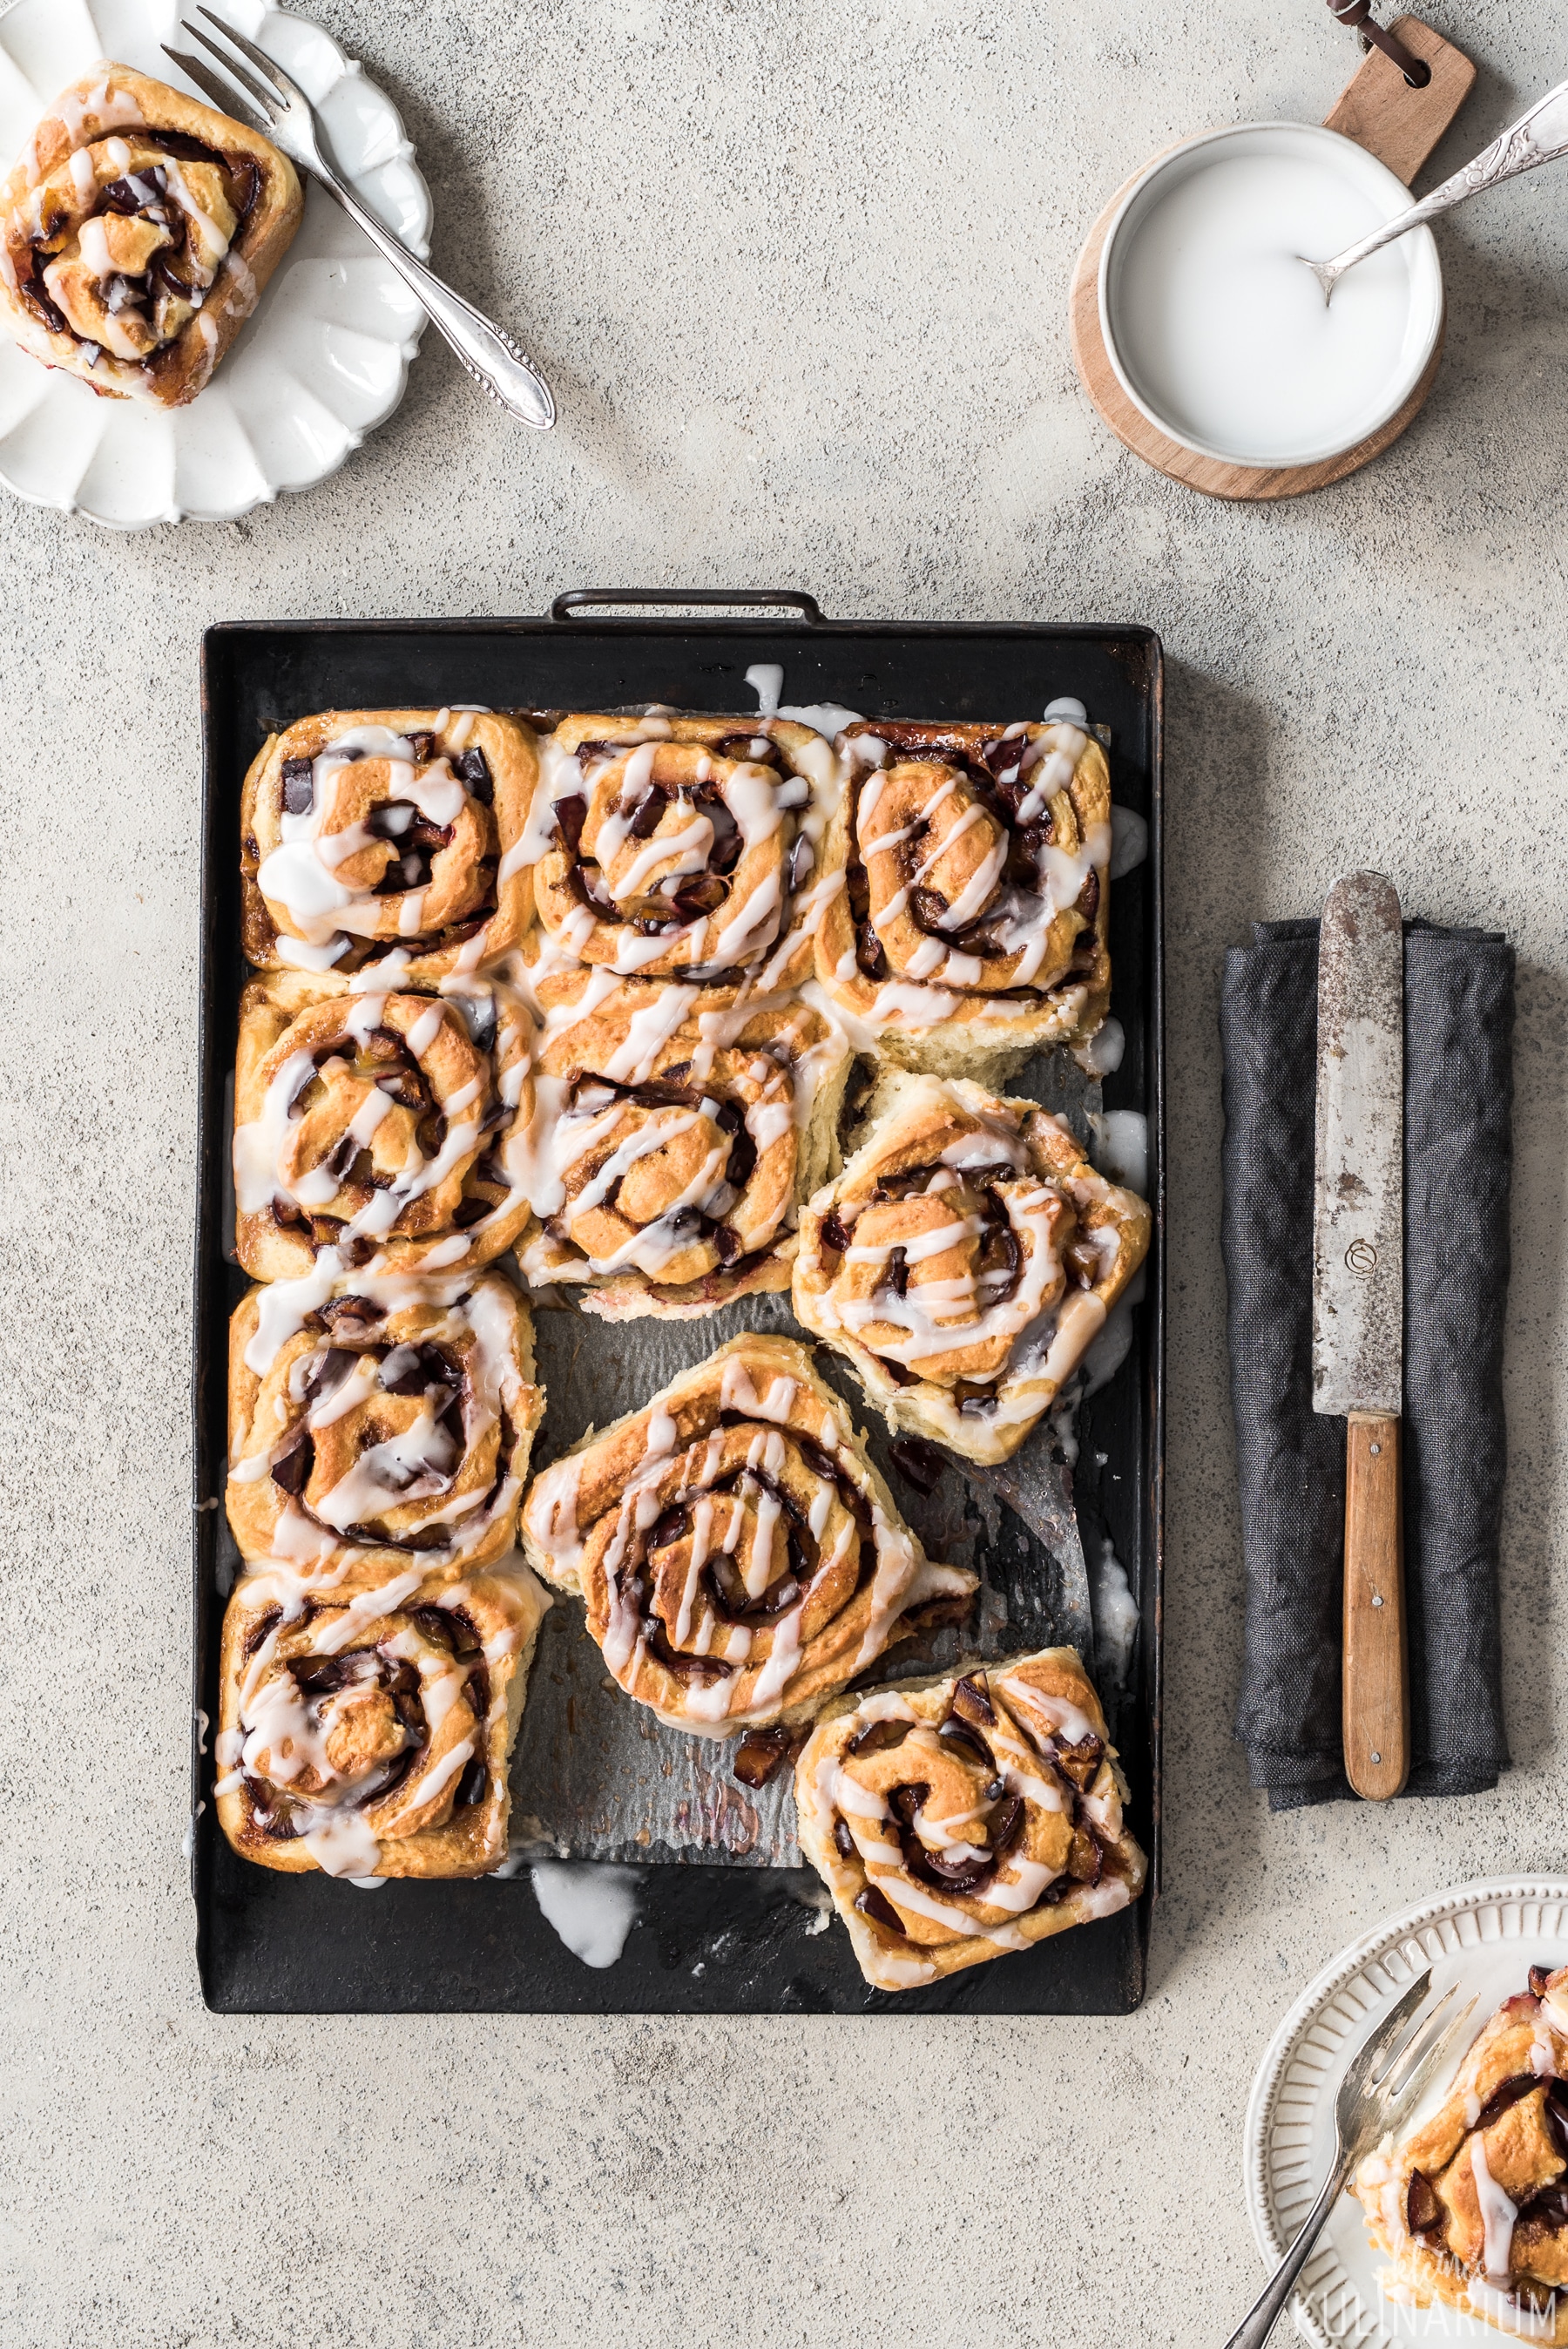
322,363
1217,333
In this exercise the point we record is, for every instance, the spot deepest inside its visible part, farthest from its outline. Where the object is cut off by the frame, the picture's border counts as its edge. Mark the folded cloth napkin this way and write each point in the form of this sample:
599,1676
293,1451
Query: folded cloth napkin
1458,1087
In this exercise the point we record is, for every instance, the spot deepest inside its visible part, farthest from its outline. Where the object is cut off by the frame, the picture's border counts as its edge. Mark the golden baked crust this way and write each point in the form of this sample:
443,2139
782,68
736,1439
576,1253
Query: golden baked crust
683,847
383,1127
380,1424
136,233
740,1555
963,1260
670,1145
1014,1764
373,1737
966,893
1472,2204
431,806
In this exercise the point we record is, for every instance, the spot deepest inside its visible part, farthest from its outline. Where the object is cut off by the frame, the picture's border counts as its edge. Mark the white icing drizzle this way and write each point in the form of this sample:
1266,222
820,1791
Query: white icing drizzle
1496,2214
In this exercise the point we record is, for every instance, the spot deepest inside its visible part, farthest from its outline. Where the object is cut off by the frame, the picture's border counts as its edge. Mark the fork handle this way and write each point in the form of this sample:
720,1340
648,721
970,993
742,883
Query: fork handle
491,357
1263,2314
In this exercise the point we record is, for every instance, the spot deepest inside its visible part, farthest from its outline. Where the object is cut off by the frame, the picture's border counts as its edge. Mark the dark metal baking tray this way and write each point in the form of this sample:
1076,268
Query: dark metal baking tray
707,1938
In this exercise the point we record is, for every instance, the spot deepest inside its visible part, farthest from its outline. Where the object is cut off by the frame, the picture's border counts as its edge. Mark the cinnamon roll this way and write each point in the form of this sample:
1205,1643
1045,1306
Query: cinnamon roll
1472,2205
371,1737
670,1145
387,838
382,1126
740,1555
136,233
673,847
965,875
379,1421
957,1820
963,1260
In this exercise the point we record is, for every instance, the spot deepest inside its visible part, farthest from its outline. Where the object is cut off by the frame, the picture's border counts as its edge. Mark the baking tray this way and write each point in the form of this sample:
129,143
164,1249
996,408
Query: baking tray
710,1936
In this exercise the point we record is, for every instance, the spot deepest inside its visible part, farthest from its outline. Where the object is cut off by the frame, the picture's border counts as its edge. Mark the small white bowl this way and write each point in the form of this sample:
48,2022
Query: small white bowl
1409,270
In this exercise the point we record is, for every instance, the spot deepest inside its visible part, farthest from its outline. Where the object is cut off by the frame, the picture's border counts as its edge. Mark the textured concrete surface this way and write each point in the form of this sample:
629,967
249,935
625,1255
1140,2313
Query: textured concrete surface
799,275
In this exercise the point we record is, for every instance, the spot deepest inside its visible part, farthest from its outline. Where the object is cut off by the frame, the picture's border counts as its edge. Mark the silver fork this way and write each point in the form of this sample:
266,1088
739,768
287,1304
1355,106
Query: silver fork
1390,2074
286,116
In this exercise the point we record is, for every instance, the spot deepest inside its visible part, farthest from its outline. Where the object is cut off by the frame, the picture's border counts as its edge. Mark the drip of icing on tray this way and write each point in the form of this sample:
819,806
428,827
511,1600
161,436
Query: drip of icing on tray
593,1909
765,679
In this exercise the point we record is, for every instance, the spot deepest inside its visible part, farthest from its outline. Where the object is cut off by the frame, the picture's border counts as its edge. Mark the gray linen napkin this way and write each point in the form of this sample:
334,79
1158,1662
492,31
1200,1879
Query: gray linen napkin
1458,1088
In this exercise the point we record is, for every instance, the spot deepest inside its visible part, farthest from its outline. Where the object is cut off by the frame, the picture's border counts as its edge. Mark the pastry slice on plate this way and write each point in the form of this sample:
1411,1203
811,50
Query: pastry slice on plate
1472,2204
136,232
955,1820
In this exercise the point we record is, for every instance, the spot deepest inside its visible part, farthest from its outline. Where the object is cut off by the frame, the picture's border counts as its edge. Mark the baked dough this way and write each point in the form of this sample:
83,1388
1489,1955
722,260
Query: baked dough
965,892
387,840
381,1126
378,1423
953,1820
1473,2206
683,847
373,1737
671,1146
963,1260
136,233
741,1557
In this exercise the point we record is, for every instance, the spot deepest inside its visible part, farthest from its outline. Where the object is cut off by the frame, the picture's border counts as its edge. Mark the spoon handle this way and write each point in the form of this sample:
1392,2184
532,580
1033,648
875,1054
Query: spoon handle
1539,136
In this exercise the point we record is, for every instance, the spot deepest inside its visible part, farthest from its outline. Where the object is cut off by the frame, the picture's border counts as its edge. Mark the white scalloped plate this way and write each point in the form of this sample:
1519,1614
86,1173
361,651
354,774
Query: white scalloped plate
1484,1936
322,363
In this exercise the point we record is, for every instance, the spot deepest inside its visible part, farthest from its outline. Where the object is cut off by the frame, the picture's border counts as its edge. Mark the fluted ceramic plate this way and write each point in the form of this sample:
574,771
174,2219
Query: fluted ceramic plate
322,362
1485,1937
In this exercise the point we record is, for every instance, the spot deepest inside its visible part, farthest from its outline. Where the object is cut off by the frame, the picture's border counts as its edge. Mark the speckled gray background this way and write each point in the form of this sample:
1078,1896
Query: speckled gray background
798,275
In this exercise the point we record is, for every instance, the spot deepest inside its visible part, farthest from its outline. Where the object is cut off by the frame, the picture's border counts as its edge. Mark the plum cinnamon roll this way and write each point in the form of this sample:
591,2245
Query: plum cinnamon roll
740,1556
963,1260
387,838
378,1423
970,926
671,1146
371,1737
672,847
955,1820
1471,2206
380,1126
136,233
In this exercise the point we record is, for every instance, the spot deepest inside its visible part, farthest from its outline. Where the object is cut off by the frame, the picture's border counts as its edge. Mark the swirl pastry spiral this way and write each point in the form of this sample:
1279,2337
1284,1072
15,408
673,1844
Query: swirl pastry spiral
387,838
371,1737
740,1556
381,1126
963,1260
379,1421
673,847
136,233
670,1145
962,1818
968,869
1472,2205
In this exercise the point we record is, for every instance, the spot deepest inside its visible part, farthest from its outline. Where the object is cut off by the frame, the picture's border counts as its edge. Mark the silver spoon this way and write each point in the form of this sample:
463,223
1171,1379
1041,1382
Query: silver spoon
1539,136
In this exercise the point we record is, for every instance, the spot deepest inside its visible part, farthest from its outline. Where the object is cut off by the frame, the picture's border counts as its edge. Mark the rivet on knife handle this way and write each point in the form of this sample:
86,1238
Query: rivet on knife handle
1357,1301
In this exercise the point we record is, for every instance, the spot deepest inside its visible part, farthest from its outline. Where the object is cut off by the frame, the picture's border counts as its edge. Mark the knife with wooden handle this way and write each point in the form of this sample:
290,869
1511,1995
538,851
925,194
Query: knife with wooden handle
1358,1302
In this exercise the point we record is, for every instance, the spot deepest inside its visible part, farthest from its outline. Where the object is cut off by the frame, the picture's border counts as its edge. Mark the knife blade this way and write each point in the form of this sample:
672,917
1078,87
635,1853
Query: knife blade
1357,1301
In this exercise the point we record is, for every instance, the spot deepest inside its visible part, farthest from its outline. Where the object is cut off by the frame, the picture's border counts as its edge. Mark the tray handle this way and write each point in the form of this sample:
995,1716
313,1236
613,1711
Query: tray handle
583,598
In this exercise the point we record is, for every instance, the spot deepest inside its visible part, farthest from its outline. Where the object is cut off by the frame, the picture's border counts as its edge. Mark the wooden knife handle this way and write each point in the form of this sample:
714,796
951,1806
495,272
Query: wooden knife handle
1376,1677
